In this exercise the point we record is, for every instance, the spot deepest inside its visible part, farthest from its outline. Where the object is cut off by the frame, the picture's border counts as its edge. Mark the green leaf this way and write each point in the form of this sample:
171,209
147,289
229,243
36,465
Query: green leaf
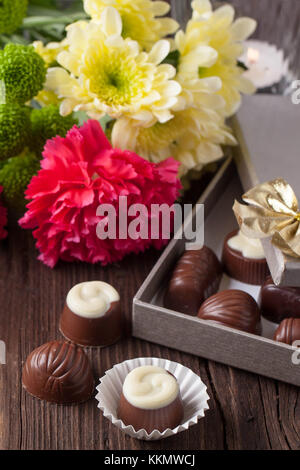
81,116
242,65
38,21
172,59
104,121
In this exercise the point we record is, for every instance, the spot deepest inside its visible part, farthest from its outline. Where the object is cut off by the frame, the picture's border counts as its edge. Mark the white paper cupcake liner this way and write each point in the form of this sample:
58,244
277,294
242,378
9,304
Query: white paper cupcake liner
192,389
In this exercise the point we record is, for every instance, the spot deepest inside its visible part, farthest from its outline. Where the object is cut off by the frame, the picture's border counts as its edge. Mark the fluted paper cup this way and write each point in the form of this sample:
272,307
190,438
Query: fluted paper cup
193,392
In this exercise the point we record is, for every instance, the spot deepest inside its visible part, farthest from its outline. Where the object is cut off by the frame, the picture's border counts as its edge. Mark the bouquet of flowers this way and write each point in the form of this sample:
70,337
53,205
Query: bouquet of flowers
162,96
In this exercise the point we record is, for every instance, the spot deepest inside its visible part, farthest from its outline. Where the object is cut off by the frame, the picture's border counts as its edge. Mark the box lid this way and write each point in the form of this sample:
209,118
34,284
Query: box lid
268,130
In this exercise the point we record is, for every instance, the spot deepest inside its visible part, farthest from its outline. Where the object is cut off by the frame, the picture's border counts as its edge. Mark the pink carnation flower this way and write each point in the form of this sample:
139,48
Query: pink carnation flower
3,219
80,172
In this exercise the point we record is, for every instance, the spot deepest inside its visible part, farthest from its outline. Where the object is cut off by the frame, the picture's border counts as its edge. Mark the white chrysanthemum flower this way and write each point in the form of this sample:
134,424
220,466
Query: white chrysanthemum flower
218,30
193,137
141,19
105,74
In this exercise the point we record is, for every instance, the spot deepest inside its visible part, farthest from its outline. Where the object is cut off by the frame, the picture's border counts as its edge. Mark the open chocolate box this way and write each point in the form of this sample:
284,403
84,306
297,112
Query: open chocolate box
155,323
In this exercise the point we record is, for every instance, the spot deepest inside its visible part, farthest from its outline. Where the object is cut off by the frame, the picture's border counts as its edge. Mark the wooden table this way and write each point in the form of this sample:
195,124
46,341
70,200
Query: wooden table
246,411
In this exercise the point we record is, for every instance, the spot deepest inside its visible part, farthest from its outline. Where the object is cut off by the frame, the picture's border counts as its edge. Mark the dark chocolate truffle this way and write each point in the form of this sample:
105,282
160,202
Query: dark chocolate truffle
92,315
238,263
233,308
288,331
196,276
279,302
150,400
58,372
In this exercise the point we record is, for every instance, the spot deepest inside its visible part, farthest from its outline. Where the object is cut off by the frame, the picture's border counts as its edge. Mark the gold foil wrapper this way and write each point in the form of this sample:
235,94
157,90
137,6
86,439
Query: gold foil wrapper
272,212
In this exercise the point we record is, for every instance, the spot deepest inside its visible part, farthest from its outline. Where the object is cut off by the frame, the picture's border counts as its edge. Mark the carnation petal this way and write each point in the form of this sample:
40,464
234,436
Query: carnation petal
93,138
78,199
168,170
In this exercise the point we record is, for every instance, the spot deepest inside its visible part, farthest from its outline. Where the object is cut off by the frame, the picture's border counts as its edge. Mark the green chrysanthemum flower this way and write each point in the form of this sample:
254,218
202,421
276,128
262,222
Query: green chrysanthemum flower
47,123
14,129
15,176
22,71
12,13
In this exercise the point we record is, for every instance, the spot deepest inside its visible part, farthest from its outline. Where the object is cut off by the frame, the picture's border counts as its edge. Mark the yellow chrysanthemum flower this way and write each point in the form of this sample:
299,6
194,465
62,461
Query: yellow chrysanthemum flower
49,52
218,30
45,98
141,19
106,74
196,91
193,137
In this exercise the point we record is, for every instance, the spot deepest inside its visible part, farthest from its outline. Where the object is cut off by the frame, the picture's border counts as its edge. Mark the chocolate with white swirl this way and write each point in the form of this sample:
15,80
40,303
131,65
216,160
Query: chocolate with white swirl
150,400
288,331
58,372
196,276
92,314
243,258
233,308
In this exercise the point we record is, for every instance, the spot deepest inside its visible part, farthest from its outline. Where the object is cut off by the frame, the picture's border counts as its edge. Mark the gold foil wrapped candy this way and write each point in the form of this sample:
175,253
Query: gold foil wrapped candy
272,212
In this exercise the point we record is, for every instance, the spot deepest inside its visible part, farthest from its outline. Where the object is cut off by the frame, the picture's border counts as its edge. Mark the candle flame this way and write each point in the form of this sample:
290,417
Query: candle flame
253,55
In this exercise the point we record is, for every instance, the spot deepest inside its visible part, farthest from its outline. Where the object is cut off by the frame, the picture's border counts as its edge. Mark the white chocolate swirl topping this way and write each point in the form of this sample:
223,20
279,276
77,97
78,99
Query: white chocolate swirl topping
91,299
249,247
150,388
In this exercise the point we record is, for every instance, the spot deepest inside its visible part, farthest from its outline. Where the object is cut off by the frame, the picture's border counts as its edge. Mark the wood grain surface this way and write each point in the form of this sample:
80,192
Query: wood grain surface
246,411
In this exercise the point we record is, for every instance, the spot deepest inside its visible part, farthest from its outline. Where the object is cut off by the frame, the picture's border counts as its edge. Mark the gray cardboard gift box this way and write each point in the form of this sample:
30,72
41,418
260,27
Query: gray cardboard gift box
260,131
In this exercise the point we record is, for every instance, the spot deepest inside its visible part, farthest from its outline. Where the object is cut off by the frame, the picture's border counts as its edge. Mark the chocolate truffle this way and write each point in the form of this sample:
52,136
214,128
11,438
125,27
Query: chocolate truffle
58,372
243,258
279,302
233,308
92,314
288,331
196,276
150,400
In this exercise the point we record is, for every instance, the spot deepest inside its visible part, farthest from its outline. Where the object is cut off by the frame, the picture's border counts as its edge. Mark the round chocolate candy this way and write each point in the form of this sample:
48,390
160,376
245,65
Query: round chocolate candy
196,276
243,258
279,302
92,314
58,372
150,400
288,331
233,308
